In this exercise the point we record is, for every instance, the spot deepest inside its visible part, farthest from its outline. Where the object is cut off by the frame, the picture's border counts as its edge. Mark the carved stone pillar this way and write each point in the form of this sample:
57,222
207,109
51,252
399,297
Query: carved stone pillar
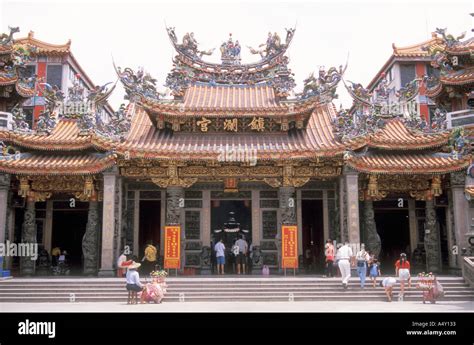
432,241
174,214
4,188
460,210
372,242
28,235
90,241
352,199
287,213
108,224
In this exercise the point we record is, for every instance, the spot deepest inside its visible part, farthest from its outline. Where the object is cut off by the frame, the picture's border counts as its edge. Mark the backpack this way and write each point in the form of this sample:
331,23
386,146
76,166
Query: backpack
265,270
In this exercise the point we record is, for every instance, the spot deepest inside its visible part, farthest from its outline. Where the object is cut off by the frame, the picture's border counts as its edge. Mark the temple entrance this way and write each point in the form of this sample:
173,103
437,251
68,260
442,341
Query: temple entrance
394,231
313,236
68,230
150,226
231,219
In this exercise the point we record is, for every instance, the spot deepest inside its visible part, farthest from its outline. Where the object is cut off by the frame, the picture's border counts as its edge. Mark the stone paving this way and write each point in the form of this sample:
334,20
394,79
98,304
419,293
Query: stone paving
440,306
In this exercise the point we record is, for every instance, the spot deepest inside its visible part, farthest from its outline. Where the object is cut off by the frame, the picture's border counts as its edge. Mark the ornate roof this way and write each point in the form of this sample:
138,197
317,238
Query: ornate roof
396,136
407,163
57,164
65,136
43,48
420,49
317,139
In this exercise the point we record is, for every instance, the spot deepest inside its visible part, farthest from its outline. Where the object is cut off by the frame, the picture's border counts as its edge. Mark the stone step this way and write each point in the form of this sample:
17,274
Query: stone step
236,298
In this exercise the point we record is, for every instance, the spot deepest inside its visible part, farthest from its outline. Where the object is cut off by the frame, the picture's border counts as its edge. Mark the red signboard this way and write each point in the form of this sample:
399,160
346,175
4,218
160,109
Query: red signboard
289,246
172,247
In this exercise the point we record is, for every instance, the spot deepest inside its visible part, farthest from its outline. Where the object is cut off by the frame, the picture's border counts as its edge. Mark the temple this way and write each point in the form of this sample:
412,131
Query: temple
231,148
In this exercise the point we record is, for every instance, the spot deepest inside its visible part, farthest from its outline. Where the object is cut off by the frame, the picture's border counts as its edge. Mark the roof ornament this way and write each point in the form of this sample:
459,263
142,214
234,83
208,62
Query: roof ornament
19,120
189,45
230,52
273,46
138,85
324,86
371,111
118,125
7,39
449,39
54,98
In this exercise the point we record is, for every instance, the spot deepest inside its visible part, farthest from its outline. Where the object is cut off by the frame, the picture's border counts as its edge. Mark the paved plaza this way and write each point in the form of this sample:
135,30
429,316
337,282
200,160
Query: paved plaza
394,307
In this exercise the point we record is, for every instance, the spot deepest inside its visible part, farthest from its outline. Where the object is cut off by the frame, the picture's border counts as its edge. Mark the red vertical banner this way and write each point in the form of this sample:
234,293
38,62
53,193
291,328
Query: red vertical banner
289,246
172,246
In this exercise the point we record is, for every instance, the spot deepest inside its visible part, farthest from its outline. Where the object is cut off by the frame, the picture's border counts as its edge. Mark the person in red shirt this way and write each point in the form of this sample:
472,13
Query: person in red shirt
329,253
402,268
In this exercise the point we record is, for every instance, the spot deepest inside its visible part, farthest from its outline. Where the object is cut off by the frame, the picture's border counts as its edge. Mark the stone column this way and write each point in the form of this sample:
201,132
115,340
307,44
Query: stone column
287,214
256,221
325,216
206,251
413,225
372,242
48,226
136,222
90,241
174,214
108,225
432,241
28,236
461,212
352,199
4,188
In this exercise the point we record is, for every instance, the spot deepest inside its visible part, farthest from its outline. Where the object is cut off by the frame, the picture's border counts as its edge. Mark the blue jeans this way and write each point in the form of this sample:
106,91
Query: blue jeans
362,272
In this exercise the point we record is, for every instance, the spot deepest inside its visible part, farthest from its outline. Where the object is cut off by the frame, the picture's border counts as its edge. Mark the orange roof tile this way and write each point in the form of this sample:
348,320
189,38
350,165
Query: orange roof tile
64,137
407,163
396,136
44,48
72,164
416,50
145,140
244,97
242,100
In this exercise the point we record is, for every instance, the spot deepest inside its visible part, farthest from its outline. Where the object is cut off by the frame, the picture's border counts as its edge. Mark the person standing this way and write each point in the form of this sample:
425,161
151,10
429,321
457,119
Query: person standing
243,248
344,255
374,271
402,269
329,254
149,260
362,257
220,256
133,281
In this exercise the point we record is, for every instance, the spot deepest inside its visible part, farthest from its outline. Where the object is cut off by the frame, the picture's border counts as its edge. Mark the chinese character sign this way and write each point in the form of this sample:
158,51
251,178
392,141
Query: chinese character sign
289,246
172,247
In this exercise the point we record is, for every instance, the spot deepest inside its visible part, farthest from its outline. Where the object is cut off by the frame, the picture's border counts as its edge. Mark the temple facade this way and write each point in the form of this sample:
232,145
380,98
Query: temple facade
231,139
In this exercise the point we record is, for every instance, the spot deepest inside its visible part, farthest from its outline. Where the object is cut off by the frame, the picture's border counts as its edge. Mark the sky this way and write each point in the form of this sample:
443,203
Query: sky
328,33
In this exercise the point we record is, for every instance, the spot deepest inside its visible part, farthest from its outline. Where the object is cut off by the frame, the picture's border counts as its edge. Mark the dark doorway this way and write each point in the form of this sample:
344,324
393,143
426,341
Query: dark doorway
150,224
394,231
229,220
69,227
313,236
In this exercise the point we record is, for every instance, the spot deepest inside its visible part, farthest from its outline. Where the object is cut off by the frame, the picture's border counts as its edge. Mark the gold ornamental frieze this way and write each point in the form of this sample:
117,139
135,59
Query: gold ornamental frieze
304,171
265,170
195,171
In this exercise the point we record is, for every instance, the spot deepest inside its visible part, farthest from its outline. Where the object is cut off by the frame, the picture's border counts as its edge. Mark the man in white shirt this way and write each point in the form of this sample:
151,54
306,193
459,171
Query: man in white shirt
220,256
344,256
241,257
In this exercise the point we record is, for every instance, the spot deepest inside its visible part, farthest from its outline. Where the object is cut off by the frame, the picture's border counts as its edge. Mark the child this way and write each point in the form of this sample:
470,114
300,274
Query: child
388,283
374,271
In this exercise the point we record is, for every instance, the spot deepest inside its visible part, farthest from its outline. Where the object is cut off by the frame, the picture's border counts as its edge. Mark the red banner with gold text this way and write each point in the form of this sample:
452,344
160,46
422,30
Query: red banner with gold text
172,246
289,246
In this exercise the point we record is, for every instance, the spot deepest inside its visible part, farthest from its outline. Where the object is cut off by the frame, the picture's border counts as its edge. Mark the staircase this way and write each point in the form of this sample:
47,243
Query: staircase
213,289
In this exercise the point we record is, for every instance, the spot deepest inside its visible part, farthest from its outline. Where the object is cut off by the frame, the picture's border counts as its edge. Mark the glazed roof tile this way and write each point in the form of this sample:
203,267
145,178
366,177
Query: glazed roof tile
407,163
